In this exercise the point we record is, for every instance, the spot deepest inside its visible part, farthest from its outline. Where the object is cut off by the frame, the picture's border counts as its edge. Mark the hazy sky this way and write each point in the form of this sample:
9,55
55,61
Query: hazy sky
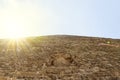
100,18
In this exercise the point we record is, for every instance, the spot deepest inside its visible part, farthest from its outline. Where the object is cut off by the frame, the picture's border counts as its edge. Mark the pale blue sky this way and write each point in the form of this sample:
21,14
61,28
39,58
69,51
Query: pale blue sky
98,18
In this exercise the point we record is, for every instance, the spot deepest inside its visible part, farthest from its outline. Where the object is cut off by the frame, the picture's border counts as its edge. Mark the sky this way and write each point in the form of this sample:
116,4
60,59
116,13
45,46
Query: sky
97,18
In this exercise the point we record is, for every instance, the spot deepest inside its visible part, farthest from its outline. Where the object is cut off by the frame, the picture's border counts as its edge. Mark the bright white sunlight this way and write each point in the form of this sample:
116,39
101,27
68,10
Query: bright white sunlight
14,29
18,20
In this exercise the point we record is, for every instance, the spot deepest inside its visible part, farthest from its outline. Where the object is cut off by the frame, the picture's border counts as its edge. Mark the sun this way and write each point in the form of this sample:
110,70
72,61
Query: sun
14,29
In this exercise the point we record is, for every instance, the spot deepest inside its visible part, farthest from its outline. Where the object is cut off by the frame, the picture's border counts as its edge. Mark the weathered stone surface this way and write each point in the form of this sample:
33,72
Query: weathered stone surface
62,58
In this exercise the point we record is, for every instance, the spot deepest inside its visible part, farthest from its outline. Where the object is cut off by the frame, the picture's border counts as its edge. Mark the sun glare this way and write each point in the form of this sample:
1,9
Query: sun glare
14,29
22,20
